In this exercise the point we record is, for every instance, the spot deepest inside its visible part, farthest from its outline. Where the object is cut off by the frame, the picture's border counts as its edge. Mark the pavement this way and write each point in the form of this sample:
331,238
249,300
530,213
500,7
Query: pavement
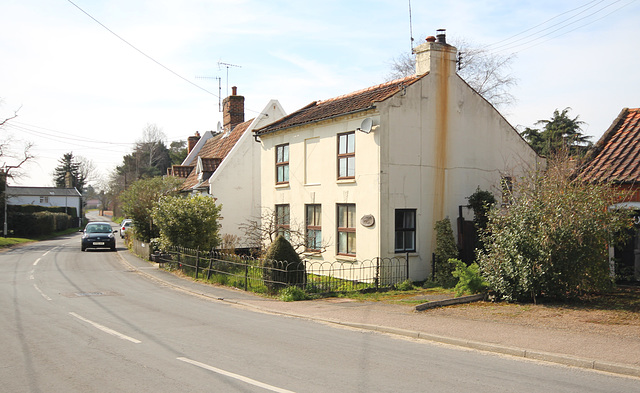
591,350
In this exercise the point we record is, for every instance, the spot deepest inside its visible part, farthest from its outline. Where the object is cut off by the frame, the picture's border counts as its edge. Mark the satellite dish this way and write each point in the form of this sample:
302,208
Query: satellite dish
366,125
219,128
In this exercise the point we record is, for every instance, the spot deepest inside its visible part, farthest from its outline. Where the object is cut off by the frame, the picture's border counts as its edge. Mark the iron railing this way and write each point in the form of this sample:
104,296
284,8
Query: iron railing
264,276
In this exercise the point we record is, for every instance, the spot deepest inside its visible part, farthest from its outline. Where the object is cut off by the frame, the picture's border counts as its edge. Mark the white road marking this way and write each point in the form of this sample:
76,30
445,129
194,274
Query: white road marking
42,293
38,260
235,376
106,329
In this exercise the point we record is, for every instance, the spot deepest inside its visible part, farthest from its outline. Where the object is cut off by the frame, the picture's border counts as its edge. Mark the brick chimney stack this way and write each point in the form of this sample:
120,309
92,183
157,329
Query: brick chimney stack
436,56
232,110
192,141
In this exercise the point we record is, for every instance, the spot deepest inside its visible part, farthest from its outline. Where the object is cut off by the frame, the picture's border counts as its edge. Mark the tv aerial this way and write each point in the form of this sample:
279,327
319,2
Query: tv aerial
227,65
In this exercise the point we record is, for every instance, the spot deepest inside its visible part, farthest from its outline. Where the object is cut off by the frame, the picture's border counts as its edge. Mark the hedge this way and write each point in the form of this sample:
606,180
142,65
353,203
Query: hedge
38,223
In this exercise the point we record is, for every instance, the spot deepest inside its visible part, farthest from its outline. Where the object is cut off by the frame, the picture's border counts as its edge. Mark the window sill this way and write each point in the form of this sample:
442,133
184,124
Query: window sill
283,185
312,254
312,184
346,258
346,181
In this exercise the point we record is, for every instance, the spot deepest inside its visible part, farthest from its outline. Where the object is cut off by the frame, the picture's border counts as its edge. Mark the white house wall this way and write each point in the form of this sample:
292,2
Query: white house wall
236,183
326,190
405,163
478,147
53,201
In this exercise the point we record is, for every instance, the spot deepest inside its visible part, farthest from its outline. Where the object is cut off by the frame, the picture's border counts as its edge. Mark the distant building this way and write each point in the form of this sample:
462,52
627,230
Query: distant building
615,159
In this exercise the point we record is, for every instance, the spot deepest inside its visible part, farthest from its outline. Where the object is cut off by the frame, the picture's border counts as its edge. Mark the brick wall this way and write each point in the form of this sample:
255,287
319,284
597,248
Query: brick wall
232,110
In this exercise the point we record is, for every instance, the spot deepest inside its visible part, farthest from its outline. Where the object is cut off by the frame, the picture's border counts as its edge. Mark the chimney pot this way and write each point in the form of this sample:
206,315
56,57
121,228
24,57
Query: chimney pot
192,141
232,110
441,36
431,39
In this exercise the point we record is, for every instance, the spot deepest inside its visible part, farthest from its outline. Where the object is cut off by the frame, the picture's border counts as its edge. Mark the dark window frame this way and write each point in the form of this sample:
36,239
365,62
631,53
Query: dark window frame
401,228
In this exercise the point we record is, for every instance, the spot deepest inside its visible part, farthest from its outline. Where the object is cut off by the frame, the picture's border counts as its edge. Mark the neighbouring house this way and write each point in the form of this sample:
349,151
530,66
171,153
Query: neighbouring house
369,173
615,159
226,165
45,196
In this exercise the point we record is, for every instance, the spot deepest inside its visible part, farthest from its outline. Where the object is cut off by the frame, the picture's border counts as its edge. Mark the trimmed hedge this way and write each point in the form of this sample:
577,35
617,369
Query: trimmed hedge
38,223
36,208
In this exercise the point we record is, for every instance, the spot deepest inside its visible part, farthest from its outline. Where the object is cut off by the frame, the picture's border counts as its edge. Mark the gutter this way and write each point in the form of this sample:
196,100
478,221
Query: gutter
256,135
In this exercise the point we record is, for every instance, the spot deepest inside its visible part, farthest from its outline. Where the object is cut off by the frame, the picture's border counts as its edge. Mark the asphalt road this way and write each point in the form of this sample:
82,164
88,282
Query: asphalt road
75,321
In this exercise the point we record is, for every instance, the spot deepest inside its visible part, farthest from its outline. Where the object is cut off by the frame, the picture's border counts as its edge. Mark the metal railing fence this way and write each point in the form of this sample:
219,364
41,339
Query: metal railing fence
267,276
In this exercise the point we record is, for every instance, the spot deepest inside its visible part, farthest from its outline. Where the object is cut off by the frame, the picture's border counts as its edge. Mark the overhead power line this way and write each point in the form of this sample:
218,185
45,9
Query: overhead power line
537,36
140,51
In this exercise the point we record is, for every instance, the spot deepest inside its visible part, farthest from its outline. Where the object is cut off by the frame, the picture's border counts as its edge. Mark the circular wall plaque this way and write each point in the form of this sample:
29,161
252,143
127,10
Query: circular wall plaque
367,220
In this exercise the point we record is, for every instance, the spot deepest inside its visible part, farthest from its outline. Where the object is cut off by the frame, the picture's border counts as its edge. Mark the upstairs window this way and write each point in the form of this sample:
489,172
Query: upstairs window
347,155
44,199
313,227
282,164
283,219
405,230
347,229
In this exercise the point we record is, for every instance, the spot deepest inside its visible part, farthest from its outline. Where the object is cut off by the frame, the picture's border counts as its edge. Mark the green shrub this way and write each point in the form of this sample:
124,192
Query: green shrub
406,285
38,223
187,222
282,266
469,278
293,294
553,239
446,249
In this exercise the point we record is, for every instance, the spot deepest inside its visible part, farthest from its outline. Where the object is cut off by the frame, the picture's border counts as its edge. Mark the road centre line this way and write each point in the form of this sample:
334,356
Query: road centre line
106,329
42,293
235,376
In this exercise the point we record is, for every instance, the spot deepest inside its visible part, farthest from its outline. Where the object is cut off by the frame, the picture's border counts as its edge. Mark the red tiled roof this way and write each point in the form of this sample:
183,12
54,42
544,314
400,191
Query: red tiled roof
190,182
210,164
348,103
212,153
181,170
220,145
616,156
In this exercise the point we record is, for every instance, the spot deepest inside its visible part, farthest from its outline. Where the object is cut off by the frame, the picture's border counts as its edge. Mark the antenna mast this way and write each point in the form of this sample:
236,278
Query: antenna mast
227,65
219,89
410,27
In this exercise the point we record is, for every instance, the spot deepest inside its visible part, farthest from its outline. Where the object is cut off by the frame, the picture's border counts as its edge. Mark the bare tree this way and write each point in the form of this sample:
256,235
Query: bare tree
485,71
11,159
260,232
152,143
87,169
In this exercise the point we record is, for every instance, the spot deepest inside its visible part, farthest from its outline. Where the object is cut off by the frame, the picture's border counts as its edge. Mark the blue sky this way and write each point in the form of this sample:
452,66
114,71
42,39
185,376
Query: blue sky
80,88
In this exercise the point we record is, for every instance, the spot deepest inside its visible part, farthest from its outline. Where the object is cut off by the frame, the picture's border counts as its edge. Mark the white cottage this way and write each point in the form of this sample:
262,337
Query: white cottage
226,165
369,173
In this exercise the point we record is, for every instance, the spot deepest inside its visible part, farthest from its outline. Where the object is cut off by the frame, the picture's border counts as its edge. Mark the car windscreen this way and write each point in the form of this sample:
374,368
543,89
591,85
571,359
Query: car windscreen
98,228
